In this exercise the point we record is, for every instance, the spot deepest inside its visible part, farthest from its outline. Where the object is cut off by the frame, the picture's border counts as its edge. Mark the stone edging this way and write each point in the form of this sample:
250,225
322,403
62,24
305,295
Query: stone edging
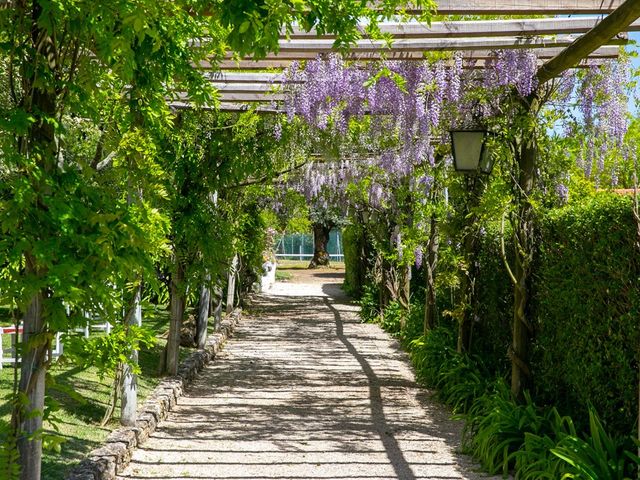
105,462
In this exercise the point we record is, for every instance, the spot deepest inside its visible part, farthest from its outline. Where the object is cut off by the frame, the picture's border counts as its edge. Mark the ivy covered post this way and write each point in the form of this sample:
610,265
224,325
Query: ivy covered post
39,148
431,265
176,308
525,151
435,195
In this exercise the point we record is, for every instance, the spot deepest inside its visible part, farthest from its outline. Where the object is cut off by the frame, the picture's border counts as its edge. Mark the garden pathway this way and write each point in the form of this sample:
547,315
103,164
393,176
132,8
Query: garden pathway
305,391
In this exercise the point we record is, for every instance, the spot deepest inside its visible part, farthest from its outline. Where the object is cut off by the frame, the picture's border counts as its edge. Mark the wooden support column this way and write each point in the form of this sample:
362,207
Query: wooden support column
32,385
203,314
526,152
175,322
216,306
231,285
129,399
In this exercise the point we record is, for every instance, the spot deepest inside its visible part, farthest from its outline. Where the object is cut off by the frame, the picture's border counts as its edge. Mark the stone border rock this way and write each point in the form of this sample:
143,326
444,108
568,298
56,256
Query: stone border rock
105,462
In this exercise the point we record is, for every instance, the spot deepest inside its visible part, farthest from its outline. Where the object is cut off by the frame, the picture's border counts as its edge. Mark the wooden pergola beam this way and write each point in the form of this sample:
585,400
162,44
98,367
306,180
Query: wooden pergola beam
237,97
618,21
284,60
526,7
479,28
517,7
440,44
226,107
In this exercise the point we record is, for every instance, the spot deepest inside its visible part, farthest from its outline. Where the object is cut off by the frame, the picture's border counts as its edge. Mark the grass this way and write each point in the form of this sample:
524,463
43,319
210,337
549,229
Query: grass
283,275
304,264
82,397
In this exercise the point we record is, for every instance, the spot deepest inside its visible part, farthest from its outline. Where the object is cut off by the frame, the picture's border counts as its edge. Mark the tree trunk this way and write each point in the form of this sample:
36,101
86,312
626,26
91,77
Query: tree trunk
216,306
524,244
320,243
129,403
177,312
28,418
203,315
430,310
231,284
41,104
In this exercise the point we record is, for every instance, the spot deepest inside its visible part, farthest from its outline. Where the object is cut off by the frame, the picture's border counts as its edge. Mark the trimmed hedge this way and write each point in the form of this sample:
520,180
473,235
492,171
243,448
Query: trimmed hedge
587,307
353,240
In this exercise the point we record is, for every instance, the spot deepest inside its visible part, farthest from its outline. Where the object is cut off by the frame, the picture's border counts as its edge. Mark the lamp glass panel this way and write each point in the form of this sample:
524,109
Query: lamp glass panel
467,148
486,162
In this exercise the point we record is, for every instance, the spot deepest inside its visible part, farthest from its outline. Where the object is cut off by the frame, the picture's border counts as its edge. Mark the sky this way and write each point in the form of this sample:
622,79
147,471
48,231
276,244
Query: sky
636,63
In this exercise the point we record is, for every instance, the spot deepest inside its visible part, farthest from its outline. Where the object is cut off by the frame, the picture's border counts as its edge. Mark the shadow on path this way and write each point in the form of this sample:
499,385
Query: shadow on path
391,446
304,390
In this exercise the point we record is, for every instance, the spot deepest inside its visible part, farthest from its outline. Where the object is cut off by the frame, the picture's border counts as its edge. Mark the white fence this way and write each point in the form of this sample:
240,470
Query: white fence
8,355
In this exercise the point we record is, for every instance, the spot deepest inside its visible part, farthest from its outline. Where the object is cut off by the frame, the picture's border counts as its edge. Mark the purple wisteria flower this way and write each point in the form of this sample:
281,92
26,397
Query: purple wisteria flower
563,192
418,256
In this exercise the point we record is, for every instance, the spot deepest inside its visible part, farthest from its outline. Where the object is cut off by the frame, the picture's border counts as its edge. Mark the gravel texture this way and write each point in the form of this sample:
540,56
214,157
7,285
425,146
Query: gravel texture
305,391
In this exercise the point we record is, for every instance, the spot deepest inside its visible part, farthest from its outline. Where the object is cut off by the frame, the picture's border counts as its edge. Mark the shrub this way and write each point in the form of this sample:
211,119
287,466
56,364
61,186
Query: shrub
597,457
584,308
462,379
429,353
369,305
354,242
587,306
496,427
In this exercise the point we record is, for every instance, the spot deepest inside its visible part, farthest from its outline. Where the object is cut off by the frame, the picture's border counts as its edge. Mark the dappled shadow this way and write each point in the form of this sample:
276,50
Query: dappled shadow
304,391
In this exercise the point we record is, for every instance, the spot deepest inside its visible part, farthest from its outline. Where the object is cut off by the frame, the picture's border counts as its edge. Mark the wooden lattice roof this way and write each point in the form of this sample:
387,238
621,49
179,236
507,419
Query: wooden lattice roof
556,40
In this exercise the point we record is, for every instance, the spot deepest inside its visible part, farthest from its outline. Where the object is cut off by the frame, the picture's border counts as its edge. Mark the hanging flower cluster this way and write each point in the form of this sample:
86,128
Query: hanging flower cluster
409,106
602,102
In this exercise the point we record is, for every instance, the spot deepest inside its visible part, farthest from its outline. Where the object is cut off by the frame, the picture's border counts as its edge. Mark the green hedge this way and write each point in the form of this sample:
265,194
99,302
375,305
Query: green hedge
491,335
587,306
353,239
585,309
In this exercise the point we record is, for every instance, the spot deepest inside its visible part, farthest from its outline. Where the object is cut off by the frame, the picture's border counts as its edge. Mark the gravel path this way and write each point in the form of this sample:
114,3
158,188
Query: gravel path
305,391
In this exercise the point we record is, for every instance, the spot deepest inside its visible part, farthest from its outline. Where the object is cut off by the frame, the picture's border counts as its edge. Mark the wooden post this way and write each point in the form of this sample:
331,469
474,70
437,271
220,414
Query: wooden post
175,324
129,397
203,314
32,384
231,287
217,306
523,235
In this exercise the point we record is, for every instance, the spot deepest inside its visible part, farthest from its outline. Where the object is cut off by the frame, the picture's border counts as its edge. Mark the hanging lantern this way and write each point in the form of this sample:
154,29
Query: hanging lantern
470,152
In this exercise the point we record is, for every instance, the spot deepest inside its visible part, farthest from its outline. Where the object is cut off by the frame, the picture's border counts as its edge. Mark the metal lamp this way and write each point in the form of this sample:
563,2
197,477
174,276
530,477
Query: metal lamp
470,152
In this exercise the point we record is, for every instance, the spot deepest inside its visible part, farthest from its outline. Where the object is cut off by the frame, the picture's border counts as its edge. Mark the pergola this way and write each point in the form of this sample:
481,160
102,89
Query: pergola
560,39
560,43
